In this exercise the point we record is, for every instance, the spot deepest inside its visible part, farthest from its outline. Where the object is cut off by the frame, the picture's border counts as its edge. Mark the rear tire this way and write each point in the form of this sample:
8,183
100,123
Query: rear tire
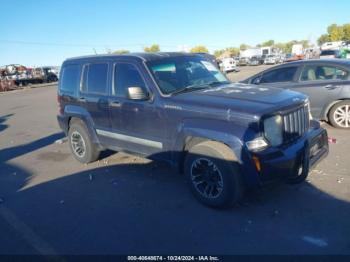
83,149
339,115
213,174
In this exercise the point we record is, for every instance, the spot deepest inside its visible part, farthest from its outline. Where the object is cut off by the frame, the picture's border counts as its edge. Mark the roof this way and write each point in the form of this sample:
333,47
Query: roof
142,56
345,62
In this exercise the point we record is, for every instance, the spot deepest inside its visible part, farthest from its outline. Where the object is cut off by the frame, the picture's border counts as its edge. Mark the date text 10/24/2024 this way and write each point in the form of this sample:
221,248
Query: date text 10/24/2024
173,258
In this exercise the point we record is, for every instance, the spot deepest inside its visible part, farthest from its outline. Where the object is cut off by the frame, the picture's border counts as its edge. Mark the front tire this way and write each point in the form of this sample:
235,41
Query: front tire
339,115
213,174
83,149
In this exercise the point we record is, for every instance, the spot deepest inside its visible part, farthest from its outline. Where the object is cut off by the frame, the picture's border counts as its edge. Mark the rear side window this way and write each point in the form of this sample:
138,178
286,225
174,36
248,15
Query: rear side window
285,74
70,78
313,72
126,75
95,78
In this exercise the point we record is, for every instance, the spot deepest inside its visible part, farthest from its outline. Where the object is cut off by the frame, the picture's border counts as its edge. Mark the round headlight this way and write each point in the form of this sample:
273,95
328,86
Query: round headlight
273,130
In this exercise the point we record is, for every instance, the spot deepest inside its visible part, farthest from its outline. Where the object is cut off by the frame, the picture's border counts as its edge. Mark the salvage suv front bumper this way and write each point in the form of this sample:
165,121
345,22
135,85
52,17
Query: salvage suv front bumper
290,161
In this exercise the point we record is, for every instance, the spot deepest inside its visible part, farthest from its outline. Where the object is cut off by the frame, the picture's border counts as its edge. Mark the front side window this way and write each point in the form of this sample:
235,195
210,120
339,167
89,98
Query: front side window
125,76
178,73
70,78
95,78
313,72
285,74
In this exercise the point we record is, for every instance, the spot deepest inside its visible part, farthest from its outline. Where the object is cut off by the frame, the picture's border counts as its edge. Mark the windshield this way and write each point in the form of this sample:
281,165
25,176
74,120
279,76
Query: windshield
177,73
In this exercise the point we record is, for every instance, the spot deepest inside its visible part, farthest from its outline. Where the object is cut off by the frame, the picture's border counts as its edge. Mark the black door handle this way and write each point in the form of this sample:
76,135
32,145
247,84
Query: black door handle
81,99
115,104
330,87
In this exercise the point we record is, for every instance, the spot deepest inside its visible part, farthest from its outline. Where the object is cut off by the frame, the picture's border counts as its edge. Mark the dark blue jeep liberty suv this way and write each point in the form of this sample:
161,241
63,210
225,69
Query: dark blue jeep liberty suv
226,137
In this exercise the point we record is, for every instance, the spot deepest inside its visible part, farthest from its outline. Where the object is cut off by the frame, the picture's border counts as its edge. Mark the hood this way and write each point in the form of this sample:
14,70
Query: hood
242,98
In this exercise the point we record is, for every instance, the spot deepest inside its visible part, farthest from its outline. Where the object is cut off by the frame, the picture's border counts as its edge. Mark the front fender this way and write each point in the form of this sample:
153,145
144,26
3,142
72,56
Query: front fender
224,132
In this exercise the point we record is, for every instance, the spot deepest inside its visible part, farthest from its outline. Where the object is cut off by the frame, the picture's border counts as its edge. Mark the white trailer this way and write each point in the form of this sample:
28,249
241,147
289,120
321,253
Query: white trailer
250,52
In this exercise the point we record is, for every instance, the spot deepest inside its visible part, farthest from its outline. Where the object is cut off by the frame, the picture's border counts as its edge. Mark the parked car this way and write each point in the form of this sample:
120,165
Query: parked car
280,58
254,61
330,54
228,65
326,82
287,57
47,74
236,58
180,108
270,60
244,61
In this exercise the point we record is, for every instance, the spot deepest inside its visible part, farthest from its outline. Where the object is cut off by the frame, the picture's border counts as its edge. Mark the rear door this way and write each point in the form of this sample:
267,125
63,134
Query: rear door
94,92
322,83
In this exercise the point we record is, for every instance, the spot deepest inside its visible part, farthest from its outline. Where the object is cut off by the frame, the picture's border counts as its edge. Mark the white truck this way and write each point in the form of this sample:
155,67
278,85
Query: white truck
229,65
297,50
250,52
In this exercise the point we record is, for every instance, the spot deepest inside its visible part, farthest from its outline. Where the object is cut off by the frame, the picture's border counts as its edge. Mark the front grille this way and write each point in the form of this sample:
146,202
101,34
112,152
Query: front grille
296,123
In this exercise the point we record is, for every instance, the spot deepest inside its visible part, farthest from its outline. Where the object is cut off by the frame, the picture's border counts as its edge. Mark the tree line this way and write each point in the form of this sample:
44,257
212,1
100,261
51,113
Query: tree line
334,33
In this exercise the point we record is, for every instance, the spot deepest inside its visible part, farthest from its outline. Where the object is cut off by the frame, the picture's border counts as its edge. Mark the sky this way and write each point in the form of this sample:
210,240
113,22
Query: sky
46,32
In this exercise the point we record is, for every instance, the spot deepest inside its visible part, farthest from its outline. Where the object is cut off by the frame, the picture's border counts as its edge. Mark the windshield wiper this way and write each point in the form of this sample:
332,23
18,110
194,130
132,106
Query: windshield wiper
197,87
189,88
214,83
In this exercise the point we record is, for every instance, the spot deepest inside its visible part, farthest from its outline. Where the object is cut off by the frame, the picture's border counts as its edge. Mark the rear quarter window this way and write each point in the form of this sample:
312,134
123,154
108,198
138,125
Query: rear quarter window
70,79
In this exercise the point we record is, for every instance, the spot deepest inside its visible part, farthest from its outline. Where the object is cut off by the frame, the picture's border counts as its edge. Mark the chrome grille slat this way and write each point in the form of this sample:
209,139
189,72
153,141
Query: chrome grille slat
291,127
302,119
299,123
286,123
295,118
296,123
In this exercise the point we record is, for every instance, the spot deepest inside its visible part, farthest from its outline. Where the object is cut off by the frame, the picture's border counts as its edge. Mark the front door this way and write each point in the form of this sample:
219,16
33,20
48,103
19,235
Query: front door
137,125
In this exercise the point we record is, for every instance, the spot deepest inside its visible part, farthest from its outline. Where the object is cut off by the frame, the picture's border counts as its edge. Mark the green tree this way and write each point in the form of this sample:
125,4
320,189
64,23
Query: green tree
346,32
199,49
244,47
152,49
268,43
335,32
305,43
323,39
282,46
234,51
121,52
219,52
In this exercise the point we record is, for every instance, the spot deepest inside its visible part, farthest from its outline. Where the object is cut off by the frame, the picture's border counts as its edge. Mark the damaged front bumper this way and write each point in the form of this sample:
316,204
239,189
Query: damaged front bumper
288,162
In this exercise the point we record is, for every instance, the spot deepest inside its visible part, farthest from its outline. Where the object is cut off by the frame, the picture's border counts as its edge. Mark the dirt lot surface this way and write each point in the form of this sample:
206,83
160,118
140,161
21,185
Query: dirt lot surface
51,204
246,71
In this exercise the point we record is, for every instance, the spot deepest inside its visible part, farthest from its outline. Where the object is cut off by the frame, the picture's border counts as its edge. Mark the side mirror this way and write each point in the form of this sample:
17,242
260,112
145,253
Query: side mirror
256,81
137,93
